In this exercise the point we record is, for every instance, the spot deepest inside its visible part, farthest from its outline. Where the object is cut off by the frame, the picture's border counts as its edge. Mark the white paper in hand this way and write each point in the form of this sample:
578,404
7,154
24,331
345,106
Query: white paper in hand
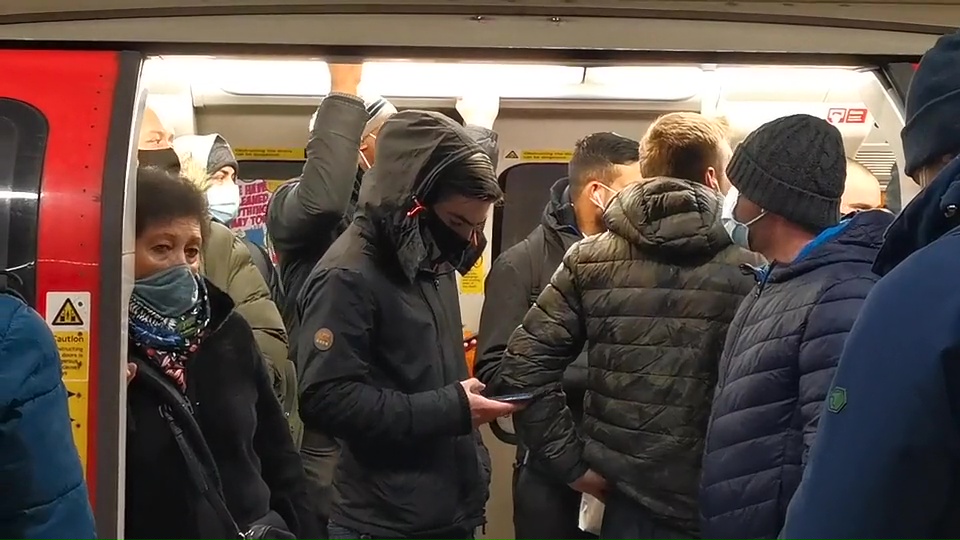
591,514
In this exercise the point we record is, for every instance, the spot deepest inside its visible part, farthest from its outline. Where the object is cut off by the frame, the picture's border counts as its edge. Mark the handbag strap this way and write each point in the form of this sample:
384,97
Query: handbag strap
179,416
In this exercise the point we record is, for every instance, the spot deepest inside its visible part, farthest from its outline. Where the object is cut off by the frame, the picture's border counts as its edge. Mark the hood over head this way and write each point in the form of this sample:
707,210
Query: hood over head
855,239
209,151
558,215
934,212
414,150
673,216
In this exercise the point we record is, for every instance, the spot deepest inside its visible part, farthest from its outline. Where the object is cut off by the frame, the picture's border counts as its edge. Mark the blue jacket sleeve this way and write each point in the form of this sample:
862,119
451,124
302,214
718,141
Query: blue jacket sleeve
825,332
884,462
337,395
42,494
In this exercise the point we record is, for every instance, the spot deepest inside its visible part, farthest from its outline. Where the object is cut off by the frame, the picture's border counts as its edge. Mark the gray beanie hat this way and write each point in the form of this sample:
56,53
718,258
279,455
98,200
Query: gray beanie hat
794,167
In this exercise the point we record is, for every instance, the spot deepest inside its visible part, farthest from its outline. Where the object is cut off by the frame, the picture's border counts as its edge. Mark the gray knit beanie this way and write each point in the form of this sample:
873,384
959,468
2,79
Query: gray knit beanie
794,167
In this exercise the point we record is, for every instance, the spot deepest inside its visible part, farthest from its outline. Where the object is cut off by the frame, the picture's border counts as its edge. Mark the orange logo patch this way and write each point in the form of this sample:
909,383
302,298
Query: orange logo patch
323,339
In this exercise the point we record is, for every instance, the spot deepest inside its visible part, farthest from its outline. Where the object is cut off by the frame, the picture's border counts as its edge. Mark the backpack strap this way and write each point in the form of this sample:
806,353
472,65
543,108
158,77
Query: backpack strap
261,259
201,466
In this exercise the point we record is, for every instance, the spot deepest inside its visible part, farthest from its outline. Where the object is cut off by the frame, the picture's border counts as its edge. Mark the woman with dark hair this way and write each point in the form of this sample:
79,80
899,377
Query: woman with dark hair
208,449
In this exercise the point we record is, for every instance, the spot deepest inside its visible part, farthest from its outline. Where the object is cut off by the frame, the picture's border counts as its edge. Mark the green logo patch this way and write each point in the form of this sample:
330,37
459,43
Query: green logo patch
837,399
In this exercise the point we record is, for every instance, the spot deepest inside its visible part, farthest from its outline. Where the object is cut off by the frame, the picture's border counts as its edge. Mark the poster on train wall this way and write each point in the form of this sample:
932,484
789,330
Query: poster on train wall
68,316
252,217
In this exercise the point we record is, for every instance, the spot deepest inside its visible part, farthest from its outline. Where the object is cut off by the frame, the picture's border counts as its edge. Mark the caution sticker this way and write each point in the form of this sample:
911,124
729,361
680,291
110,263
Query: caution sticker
68,310
77,403
561,156
68,315
472,281
269,154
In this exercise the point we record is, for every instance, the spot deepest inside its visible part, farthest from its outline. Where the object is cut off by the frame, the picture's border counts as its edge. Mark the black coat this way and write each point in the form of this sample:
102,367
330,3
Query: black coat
515,281
652,297
381,352
243,424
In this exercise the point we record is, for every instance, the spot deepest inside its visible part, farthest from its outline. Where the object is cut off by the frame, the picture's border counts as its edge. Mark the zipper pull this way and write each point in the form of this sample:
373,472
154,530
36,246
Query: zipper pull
436,283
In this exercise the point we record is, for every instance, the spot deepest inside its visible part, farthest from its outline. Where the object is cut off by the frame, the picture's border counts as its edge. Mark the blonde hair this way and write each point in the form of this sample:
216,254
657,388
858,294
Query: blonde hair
683,145
195,172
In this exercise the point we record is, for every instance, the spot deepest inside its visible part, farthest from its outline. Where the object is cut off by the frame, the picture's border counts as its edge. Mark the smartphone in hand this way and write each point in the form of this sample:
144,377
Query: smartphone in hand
514,398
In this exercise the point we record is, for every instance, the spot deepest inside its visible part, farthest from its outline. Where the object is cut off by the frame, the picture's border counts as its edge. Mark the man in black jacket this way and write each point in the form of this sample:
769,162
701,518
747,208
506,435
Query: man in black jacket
600,162
381,343
652,298
306,215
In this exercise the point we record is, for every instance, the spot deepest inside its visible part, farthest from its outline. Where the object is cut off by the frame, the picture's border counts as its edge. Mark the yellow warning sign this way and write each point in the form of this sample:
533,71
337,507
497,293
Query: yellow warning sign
272,185
269,154
561,156
77,403
74,347
67,315
472,281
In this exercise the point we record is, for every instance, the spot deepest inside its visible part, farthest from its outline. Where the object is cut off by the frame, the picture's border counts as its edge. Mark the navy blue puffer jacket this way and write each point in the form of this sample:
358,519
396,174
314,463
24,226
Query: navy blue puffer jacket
778,361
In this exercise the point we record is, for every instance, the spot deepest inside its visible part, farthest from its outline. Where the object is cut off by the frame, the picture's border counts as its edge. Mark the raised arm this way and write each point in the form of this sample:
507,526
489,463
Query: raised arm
320,197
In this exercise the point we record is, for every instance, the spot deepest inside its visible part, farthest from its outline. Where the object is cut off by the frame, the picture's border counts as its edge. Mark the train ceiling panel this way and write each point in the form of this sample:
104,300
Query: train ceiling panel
857,13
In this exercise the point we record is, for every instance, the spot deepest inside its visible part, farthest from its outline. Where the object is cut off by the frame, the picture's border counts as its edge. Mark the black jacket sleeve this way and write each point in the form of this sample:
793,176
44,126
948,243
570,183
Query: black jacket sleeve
551,336
506,301
336,349
318,200
280,462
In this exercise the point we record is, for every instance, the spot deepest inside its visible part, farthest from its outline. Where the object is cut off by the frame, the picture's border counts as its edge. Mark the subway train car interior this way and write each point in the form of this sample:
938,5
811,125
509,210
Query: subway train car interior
78,75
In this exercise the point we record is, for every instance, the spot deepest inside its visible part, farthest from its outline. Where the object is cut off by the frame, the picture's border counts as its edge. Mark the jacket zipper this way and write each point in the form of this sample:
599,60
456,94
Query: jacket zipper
747,270
436,323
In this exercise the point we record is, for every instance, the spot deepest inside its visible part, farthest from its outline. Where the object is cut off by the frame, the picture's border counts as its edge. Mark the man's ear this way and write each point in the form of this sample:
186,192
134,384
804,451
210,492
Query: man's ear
710,179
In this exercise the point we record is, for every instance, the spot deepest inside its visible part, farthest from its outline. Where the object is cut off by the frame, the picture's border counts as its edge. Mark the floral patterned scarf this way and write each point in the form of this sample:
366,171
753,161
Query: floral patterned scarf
170,341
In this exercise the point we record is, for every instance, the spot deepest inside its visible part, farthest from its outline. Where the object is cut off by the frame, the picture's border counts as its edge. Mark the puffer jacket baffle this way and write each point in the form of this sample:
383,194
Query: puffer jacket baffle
651,298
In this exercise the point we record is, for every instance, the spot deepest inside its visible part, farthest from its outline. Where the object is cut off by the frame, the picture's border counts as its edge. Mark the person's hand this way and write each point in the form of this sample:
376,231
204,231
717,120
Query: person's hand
591,483
483,410
345,78
131,371
479,110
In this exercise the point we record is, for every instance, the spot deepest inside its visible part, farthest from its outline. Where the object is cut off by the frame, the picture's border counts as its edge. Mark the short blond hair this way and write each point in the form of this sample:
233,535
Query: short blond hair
683,145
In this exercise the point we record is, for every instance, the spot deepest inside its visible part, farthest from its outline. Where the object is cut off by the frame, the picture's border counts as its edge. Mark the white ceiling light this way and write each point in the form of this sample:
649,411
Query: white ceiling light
647,83
395,79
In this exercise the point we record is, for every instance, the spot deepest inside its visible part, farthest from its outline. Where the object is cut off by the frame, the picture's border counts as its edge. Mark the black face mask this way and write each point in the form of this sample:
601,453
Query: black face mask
165,159
455,249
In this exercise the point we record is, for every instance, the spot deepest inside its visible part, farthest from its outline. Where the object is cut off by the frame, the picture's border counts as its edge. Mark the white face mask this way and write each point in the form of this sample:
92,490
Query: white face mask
739,232
595,199
363,158
224,201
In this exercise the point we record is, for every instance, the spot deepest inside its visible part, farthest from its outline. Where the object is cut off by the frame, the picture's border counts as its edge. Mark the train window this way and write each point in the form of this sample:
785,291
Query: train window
526,189
23,141
900,75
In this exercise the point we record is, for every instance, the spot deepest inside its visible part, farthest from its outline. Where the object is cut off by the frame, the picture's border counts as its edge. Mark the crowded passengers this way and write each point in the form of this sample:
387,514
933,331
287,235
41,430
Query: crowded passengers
702,337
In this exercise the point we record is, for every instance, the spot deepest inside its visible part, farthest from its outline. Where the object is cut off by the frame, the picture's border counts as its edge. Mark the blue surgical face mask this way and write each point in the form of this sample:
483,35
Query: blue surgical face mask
171,292
739,232
224,201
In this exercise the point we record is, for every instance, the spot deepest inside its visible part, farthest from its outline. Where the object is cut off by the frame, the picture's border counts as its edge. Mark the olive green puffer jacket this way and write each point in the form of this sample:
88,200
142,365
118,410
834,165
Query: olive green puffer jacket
228,265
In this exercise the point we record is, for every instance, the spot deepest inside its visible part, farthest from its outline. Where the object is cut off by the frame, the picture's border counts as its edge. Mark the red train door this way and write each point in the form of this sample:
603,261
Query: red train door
66,119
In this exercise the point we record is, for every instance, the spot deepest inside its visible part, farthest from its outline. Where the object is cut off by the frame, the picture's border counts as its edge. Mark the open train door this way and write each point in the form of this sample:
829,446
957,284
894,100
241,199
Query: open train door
66,119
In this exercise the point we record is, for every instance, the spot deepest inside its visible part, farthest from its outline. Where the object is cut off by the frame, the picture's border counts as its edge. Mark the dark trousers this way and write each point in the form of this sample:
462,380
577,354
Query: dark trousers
339,532
319,454
624,519
543,508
